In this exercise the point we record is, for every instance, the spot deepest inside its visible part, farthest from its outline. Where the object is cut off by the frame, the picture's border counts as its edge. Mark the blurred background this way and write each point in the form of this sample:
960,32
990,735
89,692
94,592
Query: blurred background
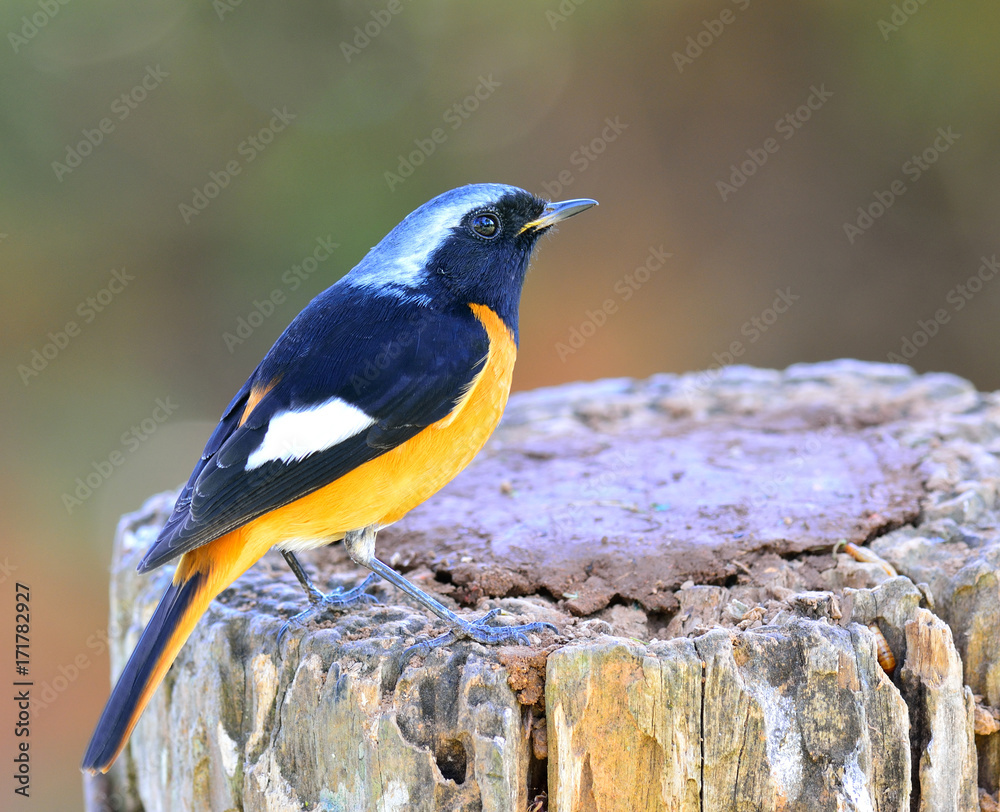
779,182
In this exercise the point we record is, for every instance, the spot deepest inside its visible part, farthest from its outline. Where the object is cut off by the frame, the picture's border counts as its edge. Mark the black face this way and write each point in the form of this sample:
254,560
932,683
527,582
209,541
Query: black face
485,259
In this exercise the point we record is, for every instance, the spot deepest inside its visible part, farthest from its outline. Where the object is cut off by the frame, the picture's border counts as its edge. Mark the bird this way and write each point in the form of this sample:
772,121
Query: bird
375,396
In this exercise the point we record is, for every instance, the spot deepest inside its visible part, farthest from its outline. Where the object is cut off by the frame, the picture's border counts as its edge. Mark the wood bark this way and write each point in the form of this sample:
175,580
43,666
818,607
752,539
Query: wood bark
713,653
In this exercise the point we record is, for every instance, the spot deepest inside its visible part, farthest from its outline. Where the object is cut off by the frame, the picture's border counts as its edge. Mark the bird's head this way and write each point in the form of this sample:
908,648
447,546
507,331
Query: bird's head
467,246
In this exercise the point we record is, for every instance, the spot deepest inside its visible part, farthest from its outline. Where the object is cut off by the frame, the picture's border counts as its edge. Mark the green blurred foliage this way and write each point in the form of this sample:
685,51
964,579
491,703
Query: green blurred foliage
216,71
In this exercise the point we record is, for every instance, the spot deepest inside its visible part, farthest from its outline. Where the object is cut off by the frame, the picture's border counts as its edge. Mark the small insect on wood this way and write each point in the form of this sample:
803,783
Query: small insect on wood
886,658
864,555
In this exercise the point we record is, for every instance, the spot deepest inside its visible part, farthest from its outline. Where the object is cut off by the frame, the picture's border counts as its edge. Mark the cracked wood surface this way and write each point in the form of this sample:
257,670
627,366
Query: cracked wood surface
712,654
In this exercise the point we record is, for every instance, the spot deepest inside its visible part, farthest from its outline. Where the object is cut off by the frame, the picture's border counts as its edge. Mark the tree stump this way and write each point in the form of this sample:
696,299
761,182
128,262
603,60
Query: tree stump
713,652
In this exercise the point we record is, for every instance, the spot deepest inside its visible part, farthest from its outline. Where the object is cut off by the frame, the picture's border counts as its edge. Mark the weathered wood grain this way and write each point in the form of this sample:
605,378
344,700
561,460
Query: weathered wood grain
712,654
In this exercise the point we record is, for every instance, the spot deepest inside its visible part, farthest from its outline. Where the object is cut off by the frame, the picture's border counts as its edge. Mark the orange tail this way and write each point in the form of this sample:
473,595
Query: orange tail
196,583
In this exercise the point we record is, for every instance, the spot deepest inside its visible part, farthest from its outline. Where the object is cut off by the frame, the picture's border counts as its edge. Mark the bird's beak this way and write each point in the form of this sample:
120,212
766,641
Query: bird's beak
556,212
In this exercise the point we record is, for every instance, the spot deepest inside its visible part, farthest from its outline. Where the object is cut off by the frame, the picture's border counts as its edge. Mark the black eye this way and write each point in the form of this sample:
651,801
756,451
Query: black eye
486,225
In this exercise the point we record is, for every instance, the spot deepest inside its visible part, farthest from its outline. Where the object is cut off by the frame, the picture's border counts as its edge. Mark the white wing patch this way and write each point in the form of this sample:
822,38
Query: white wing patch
294,435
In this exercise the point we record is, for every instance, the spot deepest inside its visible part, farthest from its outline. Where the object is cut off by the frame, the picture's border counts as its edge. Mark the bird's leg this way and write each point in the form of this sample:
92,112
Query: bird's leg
360,545
337,599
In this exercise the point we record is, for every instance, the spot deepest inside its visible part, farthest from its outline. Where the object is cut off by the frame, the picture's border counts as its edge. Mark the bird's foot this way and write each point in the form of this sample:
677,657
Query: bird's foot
482,632
321,603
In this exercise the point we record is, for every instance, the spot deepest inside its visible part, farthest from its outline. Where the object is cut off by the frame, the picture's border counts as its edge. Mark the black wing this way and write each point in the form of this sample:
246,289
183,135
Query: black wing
403,363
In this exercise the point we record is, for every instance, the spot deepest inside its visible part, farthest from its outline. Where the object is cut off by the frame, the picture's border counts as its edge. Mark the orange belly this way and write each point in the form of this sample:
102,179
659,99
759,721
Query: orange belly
383,490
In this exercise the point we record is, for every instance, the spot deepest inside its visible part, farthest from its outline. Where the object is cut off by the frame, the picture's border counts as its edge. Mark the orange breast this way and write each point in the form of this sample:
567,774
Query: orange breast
382,491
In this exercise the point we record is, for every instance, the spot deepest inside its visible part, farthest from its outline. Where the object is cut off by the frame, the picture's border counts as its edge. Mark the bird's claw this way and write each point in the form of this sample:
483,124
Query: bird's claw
480,631
338,598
